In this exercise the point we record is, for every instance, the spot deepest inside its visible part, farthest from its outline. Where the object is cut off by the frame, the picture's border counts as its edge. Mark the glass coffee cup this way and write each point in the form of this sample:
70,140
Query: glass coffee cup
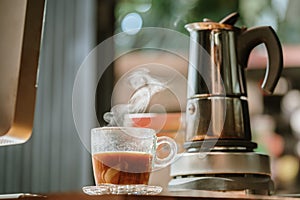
124,157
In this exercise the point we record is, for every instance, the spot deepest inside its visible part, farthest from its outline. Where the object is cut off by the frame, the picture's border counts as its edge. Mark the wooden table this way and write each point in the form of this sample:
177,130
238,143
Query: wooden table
163,196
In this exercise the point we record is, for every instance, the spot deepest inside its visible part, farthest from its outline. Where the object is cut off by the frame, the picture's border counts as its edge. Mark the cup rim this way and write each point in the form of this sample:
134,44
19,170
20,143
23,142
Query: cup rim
147,133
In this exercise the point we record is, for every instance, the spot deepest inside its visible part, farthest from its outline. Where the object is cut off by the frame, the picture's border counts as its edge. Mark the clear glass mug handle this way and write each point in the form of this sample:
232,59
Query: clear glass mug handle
163,162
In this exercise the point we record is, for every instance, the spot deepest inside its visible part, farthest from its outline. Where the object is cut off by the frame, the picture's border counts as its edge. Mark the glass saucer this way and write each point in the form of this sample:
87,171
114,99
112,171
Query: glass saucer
139,189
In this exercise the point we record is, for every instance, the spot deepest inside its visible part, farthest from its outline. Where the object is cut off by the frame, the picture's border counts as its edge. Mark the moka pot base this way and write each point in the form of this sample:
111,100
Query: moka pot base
247,172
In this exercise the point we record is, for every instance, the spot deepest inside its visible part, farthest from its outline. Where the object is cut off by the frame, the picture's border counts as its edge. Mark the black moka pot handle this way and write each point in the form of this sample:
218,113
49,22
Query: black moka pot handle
249,39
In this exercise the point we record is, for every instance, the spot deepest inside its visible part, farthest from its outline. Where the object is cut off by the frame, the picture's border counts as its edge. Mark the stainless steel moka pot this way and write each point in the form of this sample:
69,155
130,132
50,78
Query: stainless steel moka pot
219,151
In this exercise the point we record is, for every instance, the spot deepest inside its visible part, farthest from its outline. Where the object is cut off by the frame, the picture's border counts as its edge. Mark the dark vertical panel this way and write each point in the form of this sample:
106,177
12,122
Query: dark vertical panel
26,166
68,151
2,167
43,121
106,23
88,21
56,98
84,30
18,168
36,176
10,168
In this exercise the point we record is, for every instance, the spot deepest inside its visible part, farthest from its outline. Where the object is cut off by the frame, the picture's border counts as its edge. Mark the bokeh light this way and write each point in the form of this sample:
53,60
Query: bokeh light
132,23
295,122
